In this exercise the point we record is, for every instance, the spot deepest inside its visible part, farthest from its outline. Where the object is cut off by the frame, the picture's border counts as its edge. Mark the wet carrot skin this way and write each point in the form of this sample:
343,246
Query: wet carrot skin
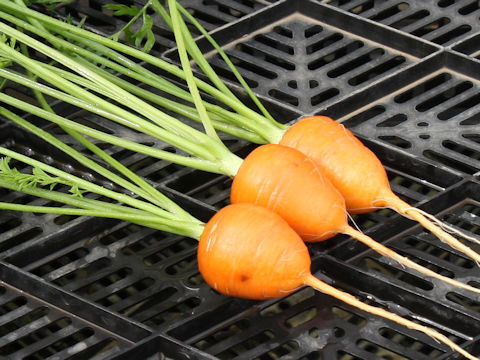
351,167
250,252
289,183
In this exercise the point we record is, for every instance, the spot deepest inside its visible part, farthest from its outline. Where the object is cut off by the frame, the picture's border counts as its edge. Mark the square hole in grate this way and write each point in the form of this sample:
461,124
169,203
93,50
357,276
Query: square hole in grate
180,310
379,351
396,273
212,189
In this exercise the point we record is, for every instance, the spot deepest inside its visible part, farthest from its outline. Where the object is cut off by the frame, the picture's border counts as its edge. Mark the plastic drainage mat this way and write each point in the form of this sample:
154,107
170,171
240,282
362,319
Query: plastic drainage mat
401,75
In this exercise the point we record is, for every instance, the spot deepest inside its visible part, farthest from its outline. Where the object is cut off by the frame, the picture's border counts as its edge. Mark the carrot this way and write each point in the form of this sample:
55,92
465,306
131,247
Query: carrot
244,250
291,184
206,149
352,167
250,252
356,172
209,154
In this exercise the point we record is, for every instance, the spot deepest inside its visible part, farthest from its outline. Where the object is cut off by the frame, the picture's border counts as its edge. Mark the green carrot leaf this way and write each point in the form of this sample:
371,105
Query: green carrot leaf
144,34
122,10
38,177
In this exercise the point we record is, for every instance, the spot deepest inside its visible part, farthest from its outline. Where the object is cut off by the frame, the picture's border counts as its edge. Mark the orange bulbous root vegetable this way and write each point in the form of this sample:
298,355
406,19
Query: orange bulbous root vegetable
357,173
251,252
289,183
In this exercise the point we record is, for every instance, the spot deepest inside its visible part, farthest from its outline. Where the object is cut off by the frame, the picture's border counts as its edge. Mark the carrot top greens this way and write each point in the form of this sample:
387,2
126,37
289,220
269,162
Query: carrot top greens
65,74
241,121
81,68
94,74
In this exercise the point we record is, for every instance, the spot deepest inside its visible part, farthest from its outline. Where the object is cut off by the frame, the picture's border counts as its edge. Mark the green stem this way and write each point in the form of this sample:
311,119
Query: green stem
195,163
38,95
133,121
177,25
220,122
184,228
143,189
131,22
20,79
150,78
185,42
70,30
223,120
78,202
225,58
204,65
84,184
23,48
177,133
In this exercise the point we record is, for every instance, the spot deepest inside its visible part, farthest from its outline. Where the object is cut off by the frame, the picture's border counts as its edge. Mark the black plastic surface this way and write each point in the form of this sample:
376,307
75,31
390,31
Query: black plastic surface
407,84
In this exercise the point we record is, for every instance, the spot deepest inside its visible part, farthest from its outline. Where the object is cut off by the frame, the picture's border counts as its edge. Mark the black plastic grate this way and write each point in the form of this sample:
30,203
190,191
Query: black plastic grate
433,115
78,288
151,278
56,324
440,21
32,329
301,58
211,14
309,325
132,271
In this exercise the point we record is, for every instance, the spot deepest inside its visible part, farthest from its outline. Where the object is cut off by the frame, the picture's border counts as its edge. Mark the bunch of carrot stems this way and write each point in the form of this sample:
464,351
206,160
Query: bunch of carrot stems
82,70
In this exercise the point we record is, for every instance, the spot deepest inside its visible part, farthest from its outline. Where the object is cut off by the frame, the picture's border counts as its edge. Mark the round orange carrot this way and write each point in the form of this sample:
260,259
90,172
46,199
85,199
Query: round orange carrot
249,251
289,183
353,168
356,172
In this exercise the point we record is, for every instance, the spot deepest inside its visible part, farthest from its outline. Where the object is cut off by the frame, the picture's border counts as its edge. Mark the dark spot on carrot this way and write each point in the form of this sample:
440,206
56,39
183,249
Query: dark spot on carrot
244,278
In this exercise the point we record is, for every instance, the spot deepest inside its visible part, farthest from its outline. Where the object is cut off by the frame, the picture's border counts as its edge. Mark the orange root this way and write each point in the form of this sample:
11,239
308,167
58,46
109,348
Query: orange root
383,250
351,300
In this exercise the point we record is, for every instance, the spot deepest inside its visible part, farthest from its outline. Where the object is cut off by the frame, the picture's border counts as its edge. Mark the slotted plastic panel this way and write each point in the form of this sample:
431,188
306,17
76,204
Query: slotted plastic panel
433,115
307,56
149,350
148,276
55,324
470,47
440,21
151,278
211,14
33,329
402,75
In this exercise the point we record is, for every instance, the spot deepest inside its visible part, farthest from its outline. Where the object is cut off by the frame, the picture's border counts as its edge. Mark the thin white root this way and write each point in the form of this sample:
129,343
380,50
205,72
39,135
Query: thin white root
418,215
353,222
445,226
